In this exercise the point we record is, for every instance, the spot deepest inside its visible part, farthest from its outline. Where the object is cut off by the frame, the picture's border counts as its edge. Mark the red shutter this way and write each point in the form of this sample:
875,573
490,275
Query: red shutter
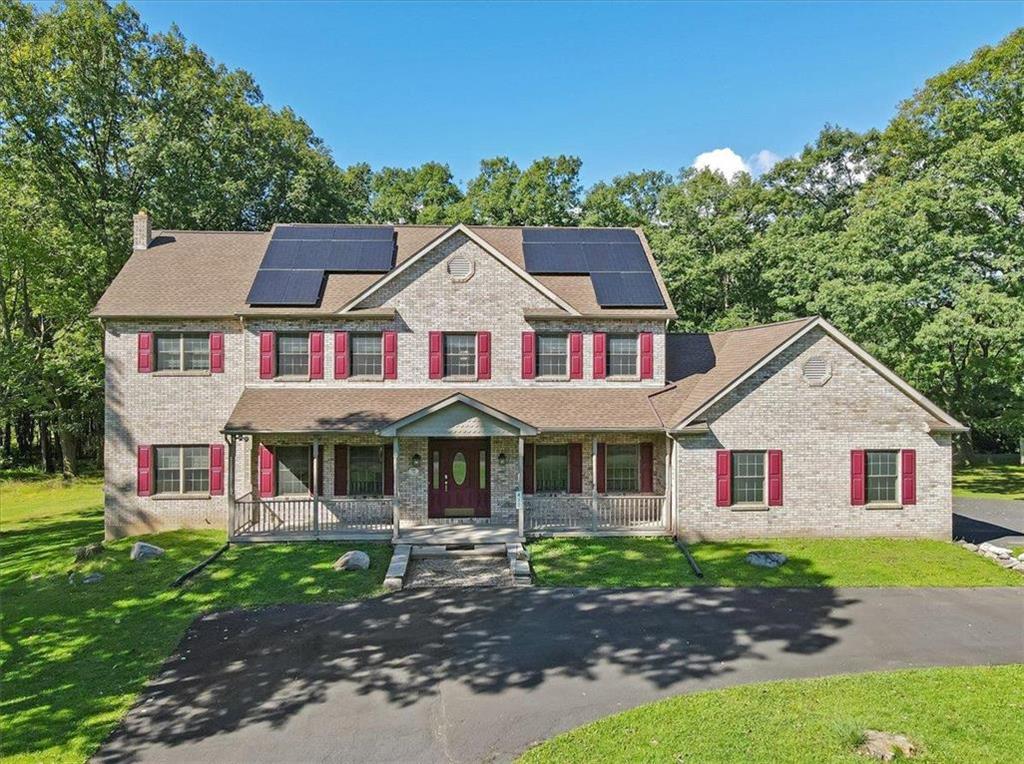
145,353
857,479
266,472
435,359
600,468
646,468
529,355
528,468
599,358
646,355
216,352
723,478
389,470
774,478
316,355
908,469
341,470
483,355
390,340
575,355
216,469
341,355
575,468
267,355
144,471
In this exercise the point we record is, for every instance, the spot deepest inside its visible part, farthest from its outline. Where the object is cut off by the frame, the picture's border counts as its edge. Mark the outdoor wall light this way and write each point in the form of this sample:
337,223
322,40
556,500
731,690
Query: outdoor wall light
415,461
501,460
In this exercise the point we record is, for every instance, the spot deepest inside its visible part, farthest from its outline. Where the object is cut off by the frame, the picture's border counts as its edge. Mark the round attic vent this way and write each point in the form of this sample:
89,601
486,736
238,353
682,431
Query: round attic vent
460,268
817,371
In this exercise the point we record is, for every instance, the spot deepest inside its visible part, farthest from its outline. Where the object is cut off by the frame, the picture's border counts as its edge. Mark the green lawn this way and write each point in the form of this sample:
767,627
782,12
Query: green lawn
657,562
996,481
75,656
950,713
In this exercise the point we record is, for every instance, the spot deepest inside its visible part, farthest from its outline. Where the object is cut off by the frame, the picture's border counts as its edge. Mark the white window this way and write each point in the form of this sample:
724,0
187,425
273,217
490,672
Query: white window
182,469
748,477
293,470
365,471
551,469
552,355
621,355
367,360
460,355
882,476
622,468
181,351
293,355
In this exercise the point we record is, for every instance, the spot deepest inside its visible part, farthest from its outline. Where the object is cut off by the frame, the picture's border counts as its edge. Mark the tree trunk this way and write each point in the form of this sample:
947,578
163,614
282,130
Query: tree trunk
45,458
69,451
7,436
24,429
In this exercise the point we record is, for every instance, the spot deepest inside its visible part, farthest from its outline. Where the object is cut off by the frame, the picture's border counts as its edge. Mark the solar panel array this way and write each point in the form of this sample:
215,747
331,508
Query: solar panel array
614,259
299,257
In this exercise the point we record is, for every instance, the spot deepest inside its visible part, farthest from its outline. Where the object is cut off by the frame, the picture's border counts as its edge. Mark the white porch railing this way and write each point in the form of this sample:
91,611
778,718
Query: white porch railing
311,518
601,515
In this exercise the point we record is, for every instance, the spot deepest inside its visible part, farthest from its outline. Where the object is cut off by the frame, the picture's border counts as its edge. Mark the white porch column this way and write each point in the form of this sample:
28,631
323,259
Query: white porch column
232,520
316,487
520,497
395,499
669,481
593,482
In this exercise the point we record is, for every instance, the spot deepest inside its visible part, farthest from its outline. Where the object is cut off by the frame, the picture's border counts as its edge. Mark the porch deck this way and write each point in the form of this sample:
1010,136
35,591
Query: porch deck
458,534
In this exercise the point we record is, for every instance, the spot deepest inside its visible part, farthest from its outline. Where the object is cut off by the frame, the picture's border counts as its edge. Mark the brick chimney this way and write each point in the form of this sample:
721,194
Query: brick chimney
142,230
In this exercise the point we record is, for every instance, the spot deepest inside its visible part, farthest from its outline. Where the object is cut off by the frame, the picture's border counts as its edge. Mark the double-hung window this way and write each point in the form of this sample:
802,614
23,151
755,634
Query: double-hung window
365,471
367,359
293,354
182,351
460,355
748,477
551,469
552,355
293,470
882,476
621,355
182,469
622,468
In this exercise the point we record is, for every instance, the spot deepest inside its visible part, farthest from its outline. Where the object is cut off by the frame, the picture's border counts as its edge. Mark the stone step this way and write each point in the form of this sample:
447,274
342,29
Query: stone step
457,550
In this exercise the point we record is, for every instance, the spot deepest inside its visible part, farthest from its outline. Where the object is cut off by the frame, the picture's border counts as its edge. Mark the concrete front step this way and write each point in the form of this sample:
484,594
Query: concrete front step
458,550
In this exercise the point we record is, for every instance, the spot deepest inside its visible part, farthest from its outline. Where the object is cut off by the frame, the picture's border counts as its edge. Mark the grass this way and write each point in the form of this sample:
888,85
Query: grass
950,713
657,562
75,656
990,481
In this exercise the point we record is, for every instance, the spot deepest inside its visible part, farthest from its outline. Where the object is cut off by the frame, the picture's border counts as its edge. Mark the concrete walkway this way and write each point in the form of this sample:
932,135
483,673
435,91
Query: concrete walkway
1000,521
478,675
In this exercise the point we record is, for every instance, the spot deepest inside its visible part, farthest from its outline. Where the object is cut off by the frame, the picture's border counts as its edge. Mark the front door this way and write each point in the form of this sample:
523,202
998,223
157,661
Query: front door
458,478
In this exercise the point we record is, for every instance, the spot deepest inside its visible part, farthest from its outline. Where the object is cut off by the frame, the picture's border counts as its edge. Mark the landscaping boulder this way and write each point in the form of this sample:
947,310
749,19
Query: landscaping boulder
1021,556
997,551
969,547
885,745
92,578
88,551
143,551
766,559
1018,566
352,561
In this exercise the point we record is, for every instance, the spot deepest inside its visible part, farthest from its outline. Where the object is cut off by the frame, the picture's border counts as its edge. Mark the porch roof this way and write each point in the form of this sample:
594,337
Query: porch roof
268,409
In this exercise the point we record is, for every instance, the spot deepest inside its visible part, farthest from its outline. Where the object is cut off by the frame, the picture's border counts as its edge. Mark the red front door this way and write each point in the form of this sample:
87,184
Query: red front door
458,477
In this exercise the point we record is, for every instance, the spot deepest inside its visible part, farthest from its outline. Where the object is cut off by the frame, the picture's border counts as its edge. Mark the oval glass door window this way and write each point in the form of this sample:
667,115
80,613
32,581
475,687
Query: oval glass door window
459,468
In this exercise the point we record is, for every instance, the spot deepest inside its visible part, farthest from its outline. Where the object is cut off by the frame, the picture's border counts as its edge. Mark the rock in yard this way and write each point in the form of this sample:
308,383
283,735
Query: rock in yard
352,561
92,578
969,547
143,551
1009,562
885,745
766,559
1019,566
998,551
1021,556
87,551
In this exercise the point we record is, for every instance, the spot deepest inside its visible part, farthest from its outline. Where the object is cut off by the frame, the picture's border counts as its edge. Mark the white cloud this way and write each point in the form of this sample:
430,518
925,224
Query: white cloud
731,164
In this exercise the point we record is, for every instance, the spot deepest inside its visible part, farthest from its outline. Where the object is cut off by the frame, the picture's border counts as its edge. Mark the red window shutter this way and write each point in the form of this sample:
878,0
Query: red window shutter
267,355
216,469
647,468
529,355
341,470
857,478
266,472
341,355
575,468
646,355
390,340
775,478
575,355
483,355
723,478
389,470
145,353
144,471
528,468
599,355
908,470
435,358
216,352
599,478
316,355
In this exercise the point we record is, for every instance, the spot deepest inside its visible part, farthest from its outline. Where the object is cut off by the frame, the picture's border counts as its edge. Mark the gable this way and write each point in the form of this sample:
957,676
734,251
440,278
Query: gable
458,419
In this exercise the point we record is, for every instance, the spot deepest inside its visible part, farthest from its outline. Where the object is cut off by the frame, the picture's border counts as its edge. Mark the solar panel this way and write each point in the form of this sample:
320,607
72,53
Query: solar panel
607,256
275,287
633,289
555,258
337,232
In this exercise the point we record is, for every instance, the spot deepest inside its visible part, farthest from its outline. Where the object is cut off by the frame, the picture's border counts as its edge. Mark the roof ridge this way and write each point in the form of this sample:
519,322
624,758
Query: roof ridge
202,230
764,326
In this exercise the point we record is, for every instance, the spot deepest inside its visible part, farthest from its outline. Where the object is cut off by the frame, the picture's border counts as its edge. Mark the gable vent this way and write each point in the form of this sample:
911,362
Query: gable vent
460,268
817,371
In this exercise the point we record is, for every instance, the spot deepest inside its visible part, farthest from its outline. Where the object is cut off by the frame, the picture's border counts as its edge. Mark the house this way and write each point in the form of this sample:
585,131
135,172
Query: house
328,381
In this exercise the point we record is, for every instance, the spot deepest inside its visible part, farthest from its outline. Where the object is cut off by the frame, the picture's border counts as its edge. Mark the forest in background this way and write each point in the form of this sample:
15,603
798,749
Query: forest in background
909,238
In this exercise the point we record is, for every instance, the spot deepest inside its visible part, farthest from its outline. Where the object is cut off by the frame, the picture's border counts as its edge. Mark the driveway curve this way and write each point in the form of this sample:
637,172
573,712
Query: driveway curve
479,675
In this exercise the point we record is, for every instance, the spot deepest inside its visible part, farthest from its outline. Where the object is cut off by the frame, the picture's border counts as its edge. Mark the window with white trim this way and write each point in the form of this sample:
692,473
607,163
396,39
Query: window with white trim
365,471
293,470
552,355
748,473
182,351
622,468
460,355
293,354
882,475
621,358
367,359
182,469
551,468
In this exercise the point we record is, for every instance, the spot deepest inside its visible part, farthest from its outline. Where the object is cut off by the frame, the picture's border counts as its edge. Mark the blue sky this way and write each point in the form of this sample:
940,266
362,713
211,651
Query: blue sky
625,86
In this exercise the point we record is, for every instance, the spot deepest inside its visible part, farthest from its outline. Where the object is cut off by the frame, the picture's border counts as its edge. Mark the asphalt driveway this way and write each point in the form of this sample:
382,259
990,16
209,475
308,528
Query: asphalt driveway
1000,521
478,675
